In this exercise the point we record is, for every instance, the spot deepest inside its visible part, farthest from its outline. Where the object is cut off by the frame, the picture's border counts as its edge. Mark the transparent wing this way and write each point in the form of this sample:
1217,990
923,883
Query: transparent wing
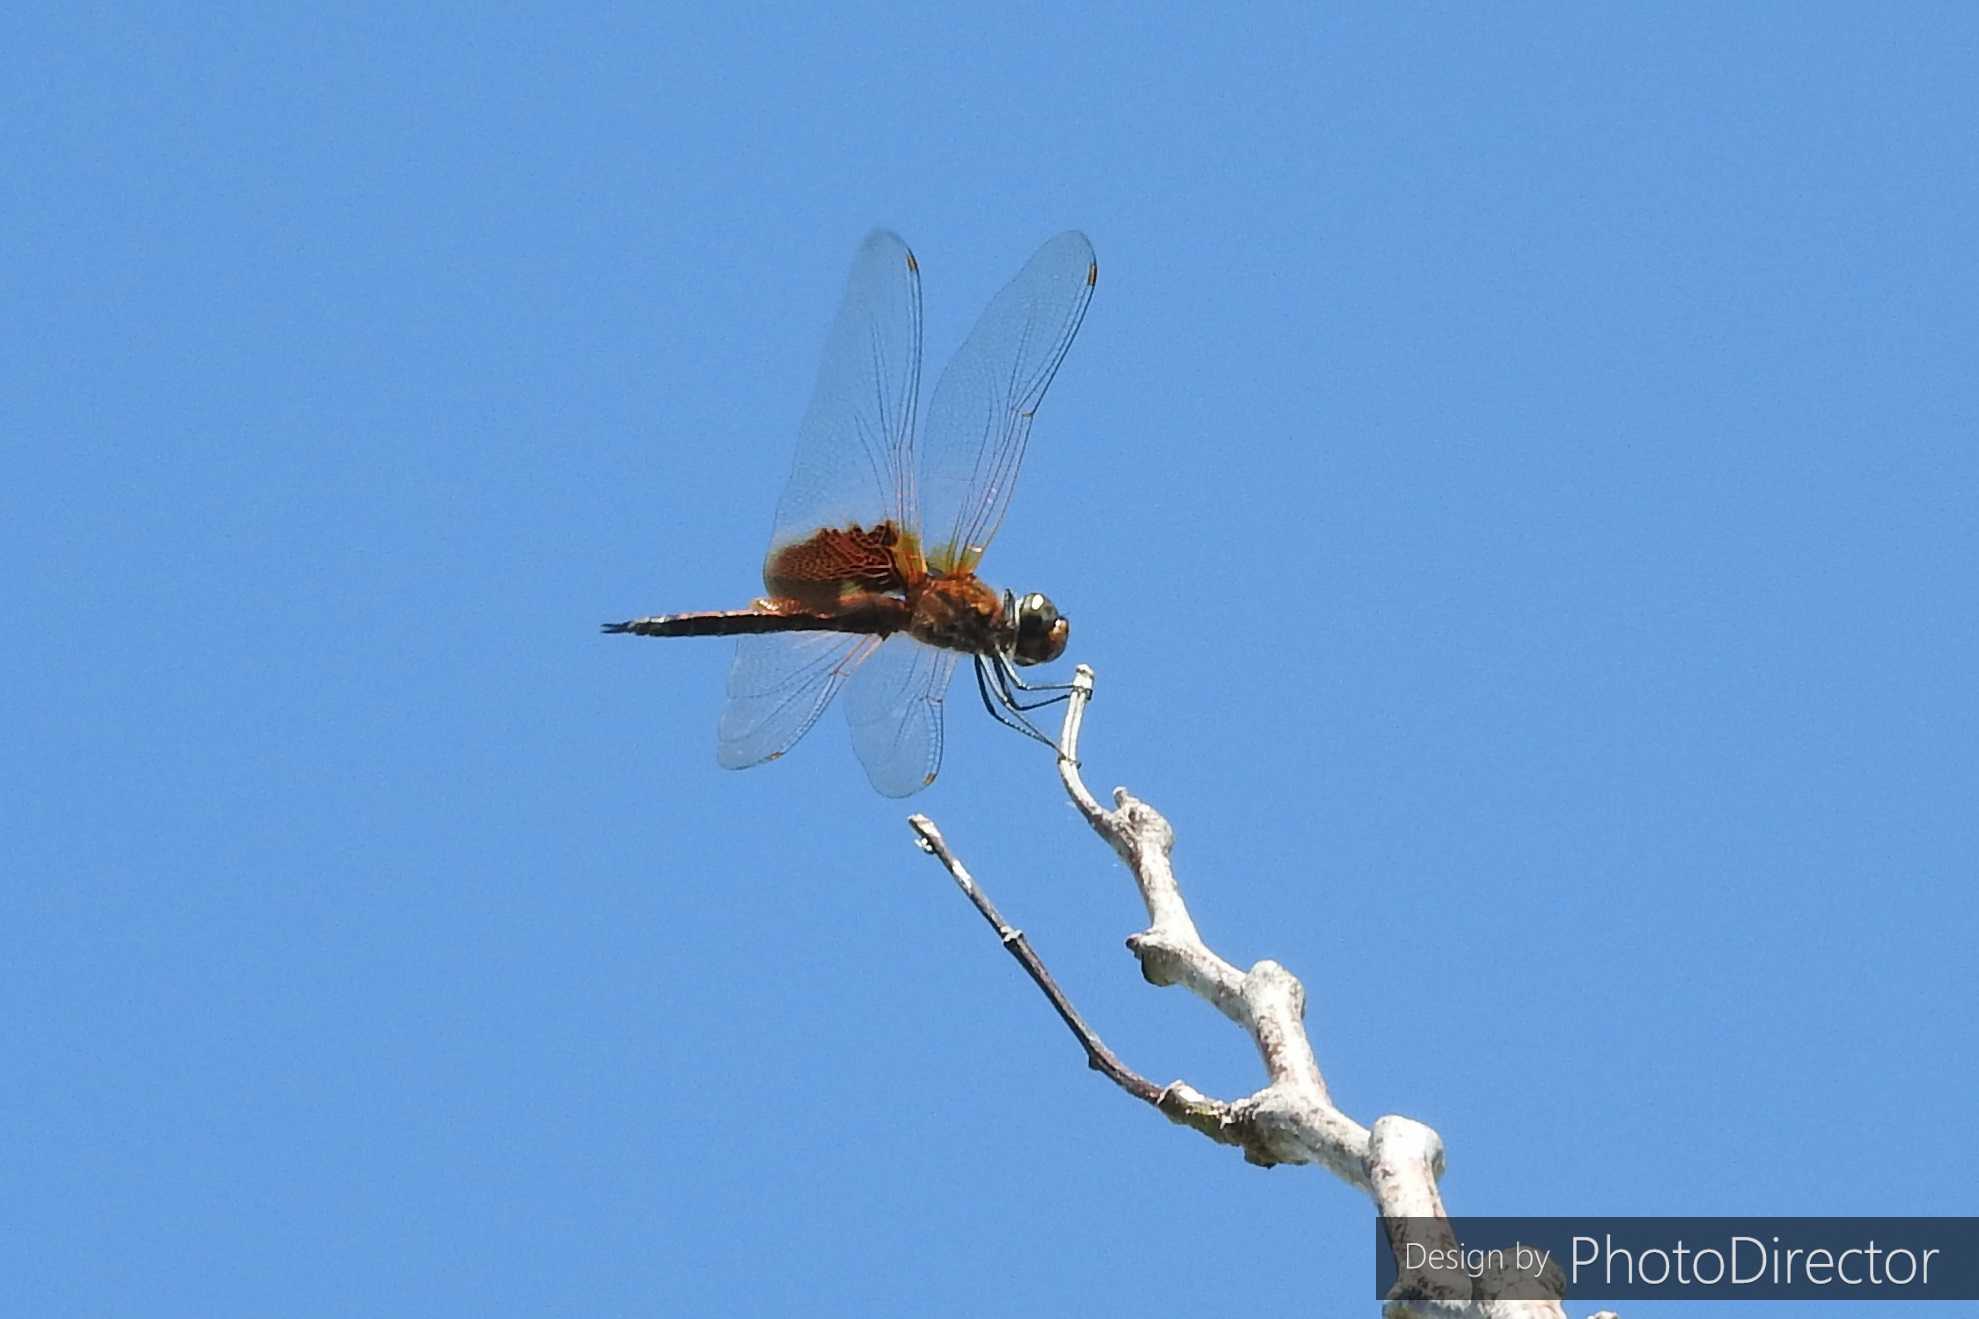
777,688
894,707
981,411
853,450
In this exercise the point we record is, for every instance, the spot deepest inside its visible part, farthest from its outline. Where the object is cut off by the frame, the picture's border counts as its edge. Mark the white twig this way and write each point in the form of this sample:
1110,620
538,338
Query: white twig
1293,1118
1098,1056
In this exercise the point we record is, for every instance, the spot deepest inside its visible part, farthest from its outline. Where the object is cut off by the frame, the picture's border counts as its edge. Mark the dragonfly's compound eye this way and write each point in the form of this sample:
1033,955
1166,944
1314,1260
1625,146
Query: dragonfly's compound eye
1041,631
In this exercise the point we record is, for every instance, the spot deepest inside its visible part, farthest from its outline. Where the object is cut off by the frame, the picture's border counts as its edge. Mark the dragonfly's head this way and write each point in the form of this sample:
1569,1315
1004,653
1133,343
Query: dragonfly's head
1041,630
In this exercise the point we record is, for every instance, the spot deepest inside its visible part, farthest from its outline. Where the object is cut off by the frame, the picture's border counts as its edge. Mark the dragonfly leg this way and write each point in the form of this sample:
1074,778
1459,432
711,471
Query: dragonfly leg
1003,706
1009,682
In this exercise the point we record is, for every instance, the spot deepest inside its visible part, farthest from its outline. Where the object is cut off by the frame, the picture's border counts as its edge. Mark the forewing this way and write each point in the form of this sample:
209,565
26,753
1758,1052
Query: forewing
894,707
777,688
981,411
853,450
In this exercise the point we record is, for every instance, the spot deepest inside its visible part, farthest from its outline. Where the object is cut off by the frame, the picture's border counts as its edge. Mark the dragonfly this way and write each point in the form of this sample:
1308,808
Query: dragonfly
870,579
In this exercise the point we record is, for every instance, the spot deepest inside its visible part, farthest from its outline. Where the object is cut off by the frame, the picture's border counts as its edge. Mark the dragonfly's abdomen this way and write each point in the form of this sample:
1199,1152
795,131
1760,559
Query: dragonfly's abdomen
874,615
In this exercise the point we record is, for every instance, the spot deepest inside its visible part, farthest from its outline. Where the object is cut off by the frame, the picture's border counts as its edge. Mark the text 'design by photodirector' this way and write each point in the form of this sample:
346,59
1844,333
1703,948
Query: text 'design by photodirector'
1758,1259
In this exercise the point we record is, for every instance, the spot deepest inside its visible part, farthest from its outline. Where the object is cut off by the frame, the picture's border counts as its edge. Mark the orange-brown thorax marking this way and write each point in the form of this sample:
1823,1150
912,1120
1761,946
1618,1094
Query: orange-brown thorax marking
878,577
838,563
958,613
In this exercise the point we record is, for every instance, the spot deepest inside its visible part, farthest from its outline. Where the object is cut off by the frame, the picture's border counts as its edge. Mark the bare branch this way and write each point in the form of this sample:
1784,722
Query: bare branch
1098,1056
1293,1118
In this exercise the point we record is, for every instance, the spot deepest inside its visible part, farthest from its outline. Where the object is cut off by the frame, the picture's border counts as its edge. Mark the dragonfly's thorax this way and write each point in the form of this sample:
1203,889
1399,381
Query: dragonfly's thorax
960,613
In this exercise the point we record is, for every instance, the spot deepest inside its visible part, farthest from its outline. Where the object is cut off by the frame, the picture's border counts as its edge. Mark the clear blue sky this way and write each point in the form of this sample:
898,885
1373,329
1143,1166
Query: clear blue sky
1516,483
